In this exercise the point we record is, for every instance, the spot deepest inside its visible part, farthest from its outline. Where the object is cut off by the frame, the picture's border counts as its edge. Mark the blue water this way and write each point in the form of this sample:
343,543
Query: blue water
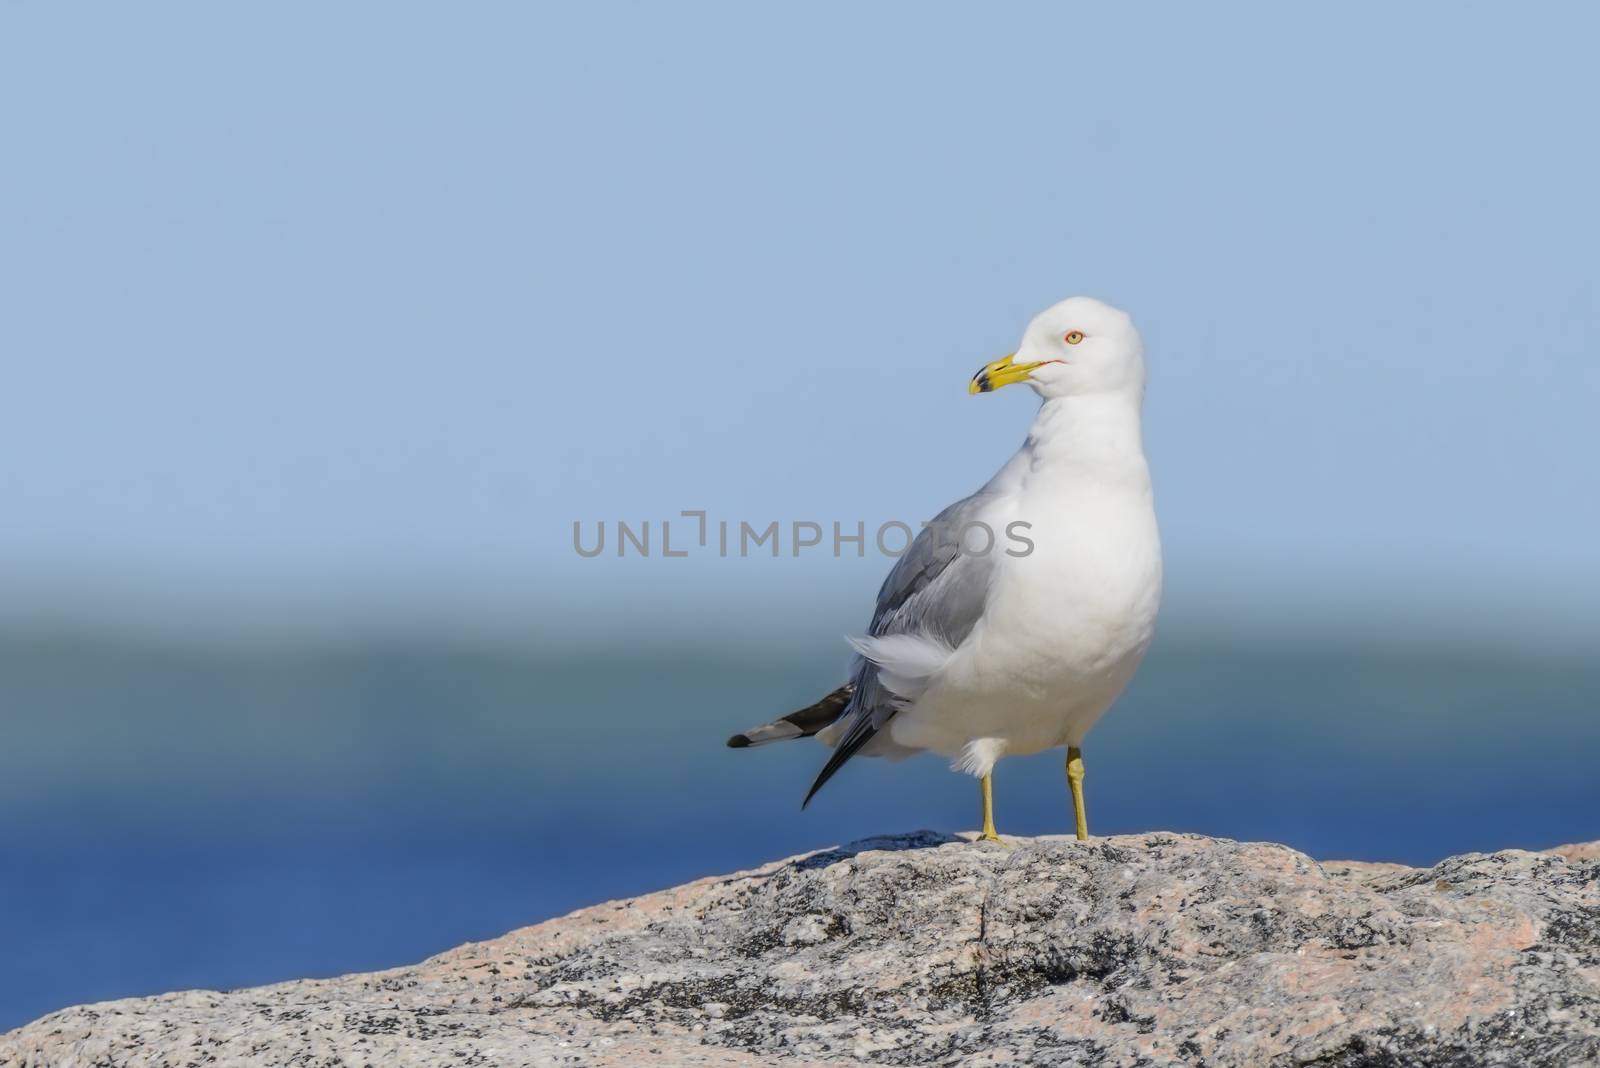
224,815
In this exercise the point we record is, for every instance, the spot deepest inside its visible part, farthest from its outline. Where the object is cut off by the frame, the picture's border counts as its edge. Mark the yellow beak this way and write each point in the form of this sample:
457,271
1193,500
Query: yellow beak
1001,372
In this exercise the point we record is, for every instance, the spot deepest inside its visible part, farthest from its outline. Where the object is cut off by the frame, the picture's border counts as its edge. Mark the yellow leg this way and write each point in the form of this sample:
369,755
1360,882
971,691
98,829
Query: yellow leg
1075,783
989,834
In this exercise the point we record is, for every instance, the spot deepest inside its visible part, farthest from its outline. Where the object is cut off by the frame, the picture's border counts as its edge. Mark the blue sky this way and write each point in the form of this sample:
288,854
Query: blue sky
357,307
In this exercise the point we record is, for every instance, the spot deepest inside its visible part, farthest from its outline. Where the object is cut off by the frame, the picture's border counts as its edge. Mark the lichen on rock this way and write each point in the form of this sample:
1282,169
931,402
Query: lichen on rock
930,949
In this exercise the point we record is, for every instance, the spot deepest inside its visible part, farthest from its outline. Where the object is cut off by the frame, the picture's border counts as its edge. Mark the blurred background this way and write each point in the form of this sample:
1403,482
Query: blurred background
323,325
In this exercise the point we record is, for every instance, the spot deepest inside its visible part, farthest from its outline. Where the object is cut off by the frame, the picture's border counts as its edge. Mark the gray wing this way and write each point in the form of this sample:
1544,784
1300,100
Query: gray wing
933,589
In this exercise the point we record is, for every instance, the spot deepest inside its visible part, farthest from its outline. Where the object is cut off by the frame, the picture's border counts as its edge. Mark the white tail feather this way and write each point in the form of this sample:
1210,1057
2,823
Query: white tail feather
906,663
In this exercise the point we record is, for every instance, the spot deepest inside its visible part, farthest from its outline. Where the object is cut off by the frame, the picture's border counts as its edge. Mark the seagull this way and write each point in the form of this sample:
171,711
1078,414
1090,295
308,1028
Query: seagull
1017,616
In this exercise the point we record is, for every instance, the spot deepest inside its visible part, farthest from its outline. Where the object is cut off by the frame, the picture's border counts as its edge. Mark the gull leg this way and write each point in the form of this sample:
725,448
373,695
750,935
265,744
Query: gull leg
989,834
1075,784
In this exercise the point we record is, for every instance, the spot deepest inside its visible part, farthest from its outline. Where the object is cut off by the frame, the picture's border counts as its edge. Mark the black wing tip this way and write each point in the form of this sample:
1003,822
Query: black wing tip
739,741
847,749
813,791
827,773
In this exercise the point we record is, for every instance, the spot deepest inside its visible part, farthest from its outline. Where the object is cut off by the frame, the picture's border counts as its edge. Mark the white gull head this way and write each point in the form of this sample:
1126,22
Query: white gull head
1080,346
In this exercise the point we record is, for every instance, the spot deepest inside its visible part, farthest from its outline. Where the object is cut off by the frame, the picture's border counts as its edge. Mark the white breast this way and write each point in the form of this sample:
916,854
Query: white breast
1065,625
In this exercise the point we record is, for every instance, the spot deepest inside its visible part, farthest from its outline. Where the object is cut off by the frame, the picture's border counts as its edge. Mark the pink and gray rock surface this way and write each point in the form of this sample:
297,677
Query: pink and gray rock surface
924,949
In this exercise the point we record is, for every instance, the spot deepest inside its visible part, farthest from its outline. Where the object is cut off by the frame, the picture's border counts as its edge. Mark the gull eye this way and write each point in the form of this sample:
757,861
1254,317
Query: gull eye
1074,337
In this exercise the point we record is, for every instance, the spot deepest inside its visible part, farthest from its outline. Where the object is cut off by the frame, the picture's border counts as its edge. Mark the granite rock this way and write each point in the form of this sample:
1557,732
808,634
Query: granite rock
929,949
